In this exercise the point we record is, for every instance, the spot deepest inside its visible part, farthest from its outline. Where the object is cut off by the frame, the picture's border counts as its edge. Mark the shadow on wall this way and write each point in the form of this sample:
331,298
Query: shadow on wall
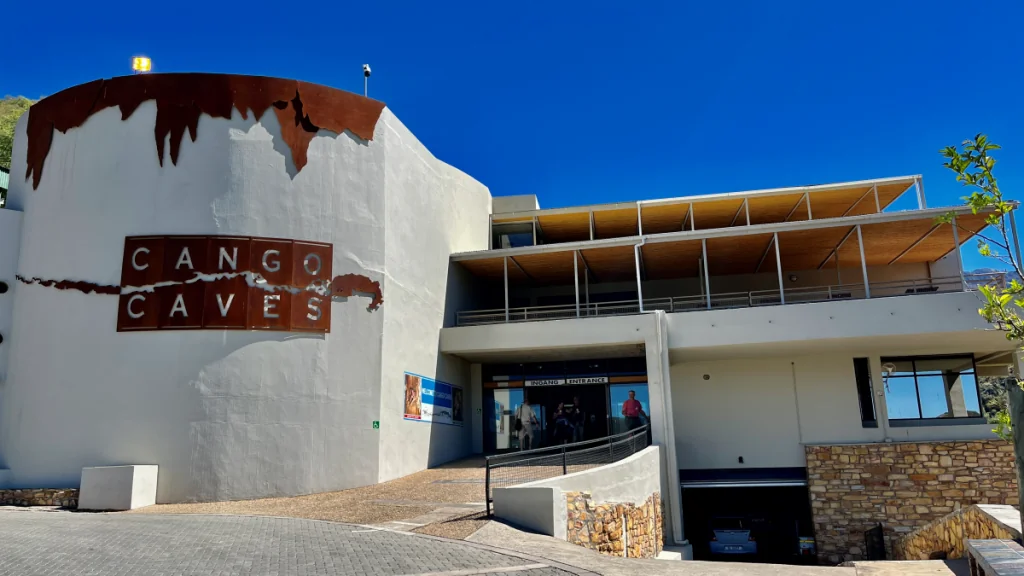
453,442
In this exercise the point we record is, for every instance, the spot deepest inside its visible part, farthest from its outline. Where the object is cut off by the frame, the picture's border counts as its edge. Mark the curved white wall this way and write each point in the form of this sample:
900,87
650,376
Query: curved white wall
225,414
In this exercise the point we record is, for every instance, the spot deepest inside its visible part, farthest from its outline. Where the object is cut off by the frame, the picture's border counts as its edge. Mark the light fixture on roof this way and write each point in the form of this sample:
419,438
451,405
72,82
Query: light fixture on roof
366,78
142,64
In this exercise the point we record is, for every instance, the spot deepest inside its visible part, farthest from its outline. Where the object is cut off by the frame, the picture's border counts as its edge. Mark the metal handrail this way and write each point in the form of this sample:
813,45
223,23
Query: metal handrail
564,450
723,300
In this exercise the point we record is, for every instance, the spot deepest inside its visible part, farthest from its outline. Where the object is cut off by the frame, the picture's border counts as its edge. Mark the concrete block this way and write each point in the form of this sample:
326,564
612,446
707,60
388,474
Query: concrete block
117,487
676,553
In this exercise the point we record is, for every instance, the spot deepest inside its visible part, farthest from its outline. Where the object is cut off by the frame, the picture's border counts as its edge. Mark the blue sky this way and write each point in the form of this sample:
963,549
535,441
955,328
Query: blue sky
586,102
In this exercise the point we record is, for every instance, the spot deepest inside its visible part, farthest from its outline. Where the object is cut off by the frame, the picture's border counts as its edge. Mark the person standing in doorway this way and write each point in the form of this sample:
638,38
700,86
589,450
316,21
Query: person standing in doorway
578,418
632,410
526,420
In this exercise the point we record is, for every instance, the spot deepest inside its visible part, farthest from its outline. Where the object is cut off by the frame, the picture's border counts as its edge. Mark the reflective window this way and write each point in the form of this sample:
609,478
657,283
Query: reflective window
931,387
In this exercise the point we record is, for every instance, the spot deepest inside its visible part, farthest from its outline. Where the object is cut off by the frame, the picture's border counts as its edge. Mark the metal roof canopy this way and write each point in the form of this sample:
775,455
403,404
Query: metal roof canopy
715,210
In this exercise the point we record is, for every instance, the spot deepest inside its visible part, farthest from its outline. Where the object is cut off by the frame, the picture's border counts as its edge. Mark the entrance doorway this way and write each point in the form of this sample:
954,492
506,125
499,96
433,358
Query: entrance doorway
599,388
589,423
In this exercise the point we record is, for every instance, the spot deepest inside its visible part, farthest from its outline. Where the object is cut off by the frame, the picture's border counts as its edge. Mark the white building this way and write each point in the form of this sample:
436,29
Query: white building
751,325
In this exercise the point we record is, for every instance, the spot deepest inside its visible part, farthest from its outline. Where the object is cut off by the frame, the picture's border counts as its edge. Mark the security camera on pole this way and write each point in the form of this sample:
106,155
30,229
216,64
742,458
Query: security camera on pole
366,78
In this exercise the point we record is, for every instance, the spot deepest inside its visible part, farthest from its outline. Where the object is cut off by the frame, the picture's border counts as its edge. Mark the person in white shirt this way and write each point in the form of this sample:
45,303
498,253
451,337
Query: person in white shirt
526,420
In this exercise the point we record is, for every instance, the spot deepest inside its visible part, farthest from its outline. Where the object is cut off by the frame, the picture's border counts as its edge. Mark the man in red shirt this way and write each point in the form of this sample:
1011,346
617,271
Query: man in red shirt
632,410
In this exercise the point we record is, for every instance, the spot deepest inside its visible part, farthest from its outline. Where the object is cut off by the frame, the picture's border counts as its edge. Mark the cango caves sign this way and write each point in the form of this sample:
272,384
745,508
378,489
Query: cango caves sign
226,282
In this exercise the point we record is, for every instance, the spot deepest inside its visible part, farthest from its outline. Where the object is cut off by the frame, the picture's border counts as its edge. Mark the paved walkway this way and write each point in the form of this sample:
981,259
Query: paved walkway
495,533
444,501
79,544
44,542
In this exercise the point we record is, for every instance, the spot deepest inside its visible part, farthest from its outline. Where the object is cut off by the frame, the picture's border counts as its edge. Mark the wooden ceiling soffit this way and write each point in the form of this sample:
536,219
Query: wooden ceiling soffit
805,249
611,263
666,260
567,227
717,213
664,218
735,255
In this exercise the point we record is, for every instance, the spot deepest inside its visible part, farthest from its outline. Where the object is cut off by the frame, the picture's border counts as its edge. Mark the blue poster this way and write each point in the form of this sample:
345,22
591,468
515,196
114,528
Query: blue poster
428,400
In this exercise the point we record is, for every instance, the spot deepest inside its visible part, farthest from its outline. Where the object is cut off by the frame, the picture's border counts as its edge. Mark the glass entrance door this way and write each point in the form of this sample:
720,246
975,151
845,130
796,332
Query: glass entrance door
618,394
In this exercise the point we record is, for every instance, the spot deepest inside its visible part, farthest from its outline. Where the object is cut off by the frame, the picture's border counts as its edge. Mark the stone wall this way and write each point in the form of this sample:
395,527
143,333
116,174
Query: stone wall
903,486
66,497
944,538
615,529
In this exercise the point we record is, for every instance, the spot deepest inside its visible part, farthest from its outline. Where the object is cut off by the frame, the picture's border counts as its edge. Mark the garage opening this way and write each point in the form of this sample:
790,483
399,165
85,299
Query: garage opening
748,515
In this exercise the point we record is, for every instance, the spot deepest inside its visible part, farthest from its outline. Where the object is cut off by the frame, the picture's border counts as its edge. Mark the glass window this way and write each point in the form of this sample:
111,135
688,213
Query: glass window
931,387
512,235
862,373
619,395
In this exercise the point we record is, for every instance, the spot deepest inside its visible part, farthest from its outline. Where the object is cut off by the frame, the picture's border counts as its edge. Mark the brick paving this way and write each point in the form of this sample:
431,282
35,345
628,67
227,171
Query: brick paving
80,544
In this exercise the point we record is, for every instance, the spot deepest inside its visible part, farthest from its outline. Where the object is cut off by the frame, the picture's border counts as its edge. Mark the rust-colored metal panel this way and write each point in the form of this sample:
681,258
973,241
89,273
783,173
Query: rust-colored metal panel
311,312
228,255
181,306
271,261
143,261
226,303
311,264
231,282
269,309
138,311
184,258
302,109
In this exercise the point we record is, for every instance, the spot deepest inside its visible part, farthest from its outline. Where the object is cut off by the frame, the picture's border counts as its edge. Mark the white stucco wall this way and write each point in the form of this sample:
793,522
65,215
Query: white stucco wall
226,414
540,505
432,210
10,243
766,408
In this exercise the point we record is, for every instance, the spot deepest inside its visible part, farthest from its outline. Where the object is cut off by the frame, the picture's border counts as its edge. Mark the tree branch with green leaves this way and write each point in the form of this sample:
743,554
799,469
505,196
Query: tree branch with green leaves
973,164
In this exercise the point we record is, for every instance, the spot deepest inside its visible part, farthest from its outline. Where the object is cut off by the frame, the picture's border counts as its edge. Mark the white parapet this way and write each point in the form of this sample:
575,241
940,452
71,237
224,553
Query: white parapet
117,487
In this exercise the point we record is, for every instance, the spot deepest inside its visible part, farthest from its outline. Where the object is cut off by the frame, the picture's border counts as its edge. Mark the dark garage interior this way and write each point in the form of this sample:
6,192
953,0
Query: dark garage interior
776,510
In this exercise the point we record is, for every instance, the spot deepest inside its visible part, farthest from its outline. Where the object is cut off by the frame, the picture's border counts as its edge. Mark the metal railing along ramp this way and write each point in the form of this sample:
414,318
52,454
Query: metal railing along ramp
516,468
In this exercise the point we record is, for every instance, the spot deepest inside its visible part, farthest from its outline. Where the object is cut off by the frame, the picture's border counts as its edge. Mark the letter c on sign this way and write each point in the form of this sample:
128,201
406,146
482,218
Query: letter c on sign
131,313
135,263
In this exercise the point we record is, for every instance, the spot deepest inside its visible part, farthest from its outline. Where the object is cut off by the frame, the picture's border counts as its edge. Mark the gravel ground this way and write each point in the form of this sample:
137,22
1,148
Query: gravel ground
357,505
457,528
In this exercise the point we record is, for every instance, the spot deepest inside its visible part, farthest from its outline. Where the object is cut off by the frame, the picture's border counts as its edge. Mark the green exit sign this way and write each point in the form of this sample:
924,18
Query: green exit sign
376,424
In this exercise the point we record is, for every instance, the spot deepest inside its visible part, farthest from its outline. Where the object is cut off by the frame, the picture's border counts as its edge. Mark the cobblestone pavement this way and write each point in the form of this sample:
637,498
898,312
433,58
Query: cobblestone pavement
79,544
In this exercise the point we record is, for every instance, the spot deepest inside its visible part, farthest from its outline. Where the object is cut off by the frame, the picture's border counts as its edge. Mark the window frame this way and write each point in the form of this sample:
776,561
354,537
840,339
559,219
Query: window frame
921,420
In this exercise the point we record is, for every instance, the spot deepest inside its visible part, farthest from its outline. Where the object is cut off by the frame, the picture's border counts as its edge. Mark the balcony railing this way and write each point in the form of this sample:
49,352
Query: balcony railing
728,300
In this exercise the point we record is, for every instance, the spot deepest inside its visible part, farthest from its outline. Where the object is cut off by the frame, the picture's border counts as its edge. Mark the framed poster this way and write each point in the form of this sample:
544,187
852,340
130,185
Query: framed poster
427,400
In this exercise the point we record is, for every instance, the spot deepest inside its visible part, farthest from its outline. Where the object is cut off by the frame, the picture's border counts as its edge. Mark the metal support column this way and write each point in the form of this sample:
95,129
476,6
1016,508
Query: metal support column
807,198
921,204
956,250
506,288
707,281
586,288
693,225
863,263
878,205
746,208
534,230
778,267
639,288
639,221
490,232
576,280
591,224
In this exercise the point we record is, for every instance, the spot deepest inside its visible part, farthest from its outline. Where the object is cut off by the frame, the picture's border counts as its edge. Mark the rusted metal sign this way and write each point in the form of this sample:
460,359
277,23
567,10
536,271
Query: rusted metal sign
224,282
